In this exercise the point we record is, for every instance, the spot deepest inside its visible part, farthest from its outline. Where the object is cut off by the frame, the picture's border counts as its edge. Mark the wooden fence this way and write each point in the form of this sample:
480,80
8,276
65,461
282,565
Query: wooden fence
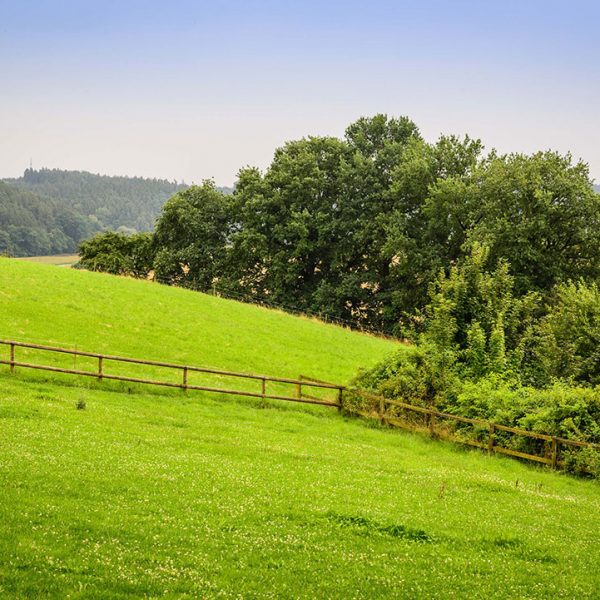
388,412
100,373
432,422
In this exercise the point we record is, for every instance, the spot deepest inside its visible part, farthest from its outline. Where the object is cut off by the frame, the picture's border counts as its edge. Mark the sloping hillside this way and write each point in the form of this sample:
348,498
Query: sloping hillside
97,312
125,492
112,201
49,211
107,201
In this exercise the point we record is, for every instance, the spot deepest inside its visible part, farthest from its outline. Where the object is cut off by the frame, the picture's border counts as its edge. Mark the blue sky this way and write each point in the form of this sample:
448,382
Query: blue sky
189,90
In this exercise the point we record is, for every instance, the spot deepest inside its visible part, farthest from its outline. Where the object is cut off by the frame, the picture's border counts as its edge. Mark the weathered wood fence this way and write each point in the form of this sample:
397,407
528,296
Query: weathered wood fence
100,373
323,393
394,413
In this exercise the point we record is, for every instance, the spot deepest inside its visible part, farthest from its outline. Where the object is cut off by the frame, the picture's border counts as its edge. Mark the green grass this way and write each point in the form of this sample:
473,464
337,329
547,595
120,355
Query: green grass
102,313
191,496
151,494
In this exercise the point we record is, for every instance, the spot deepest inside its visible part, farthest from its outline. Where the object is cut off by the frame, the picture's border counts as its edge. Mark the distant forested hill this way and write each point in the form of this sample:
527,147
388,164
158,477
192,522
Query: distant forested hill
108,202
49,211
30,224
597,188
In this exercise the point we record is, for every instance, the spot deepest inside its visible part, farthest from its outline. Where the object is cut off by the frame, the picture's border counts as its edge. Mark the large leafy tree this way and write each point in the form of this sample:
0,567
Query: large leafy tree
310,231
191,237
537,212
118,253
540,213
435,206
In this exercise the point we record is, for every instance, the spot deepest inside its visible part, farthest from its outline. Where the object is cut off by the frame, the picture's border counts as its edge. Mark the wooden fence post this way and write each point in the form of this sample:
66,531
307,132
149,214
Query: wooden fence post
490,446
432,423
100,368
340,401
264,389
554,452
299,389
12,358
381,410
185,377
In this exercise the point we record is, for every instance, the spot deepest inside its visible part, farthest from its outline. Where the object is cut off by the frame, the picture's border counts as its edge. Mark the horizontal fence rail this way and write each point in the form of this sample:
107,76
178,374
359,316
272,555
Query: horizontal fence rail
101,374
432,426
379,405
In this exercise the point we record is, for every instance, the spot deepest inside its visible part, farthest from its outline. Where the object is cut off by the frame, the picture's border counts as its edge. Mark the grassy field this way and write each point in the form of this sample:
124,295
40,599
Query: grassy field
61,260
172,496
101,313
141,493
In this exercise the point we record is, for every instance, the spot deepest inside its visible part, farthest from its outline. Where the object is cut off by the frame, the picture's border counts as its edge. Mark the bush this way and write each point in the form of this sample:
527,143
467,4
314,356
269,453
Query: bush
569,335
118,253
559,410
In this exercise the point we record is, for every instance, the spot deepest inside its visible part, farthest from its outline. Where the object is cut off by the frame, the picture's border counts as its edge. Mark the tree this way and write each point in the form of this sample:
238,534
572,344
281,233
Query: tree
539,213
475,319
434,207
191,237
310,231
358,228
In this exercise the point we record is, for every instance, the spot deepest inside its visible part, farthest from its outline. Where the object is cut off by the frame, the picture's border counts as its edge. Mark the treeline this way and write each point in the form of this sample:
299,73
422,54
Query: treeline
30,225
358,228
50,211
109,202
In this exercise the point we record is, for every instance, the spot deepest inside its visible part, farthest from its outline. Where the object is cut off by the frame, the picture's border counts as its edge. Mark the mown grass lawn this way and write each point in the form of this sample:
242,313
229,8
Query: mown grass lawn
148,495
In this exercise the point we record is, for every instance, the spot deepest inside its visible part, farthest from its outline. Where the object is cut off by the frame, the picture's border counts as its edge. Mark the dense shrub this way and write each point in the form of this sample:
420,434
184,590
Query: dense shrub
569,336
560,410
118,253
479,350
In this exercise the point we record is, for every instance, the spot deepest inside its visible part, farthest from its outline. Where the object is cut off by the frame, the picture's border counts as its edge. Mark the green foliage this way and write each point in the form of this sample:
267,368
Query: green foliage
106,202
309,233
359,228
475,354
540,214
50,211
413,374
434,207
33,225
475,320
569,335
560,410
191,237
118,254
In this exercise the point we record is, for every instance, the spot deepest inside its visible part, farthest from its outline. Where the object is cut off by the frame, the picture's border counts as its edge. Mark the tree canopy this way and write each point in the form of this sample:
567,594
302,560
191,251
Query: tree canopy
358,228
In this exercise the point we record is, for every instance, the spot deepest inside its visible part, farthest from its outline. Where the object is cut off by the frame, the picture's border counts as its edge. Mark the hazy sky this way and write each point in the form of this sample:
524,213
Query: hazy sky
190,90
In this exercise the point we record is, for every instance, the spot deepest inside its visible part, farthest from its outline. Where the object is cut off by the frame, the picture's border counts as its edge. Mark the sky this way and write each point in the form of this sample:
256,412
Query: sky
189,90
